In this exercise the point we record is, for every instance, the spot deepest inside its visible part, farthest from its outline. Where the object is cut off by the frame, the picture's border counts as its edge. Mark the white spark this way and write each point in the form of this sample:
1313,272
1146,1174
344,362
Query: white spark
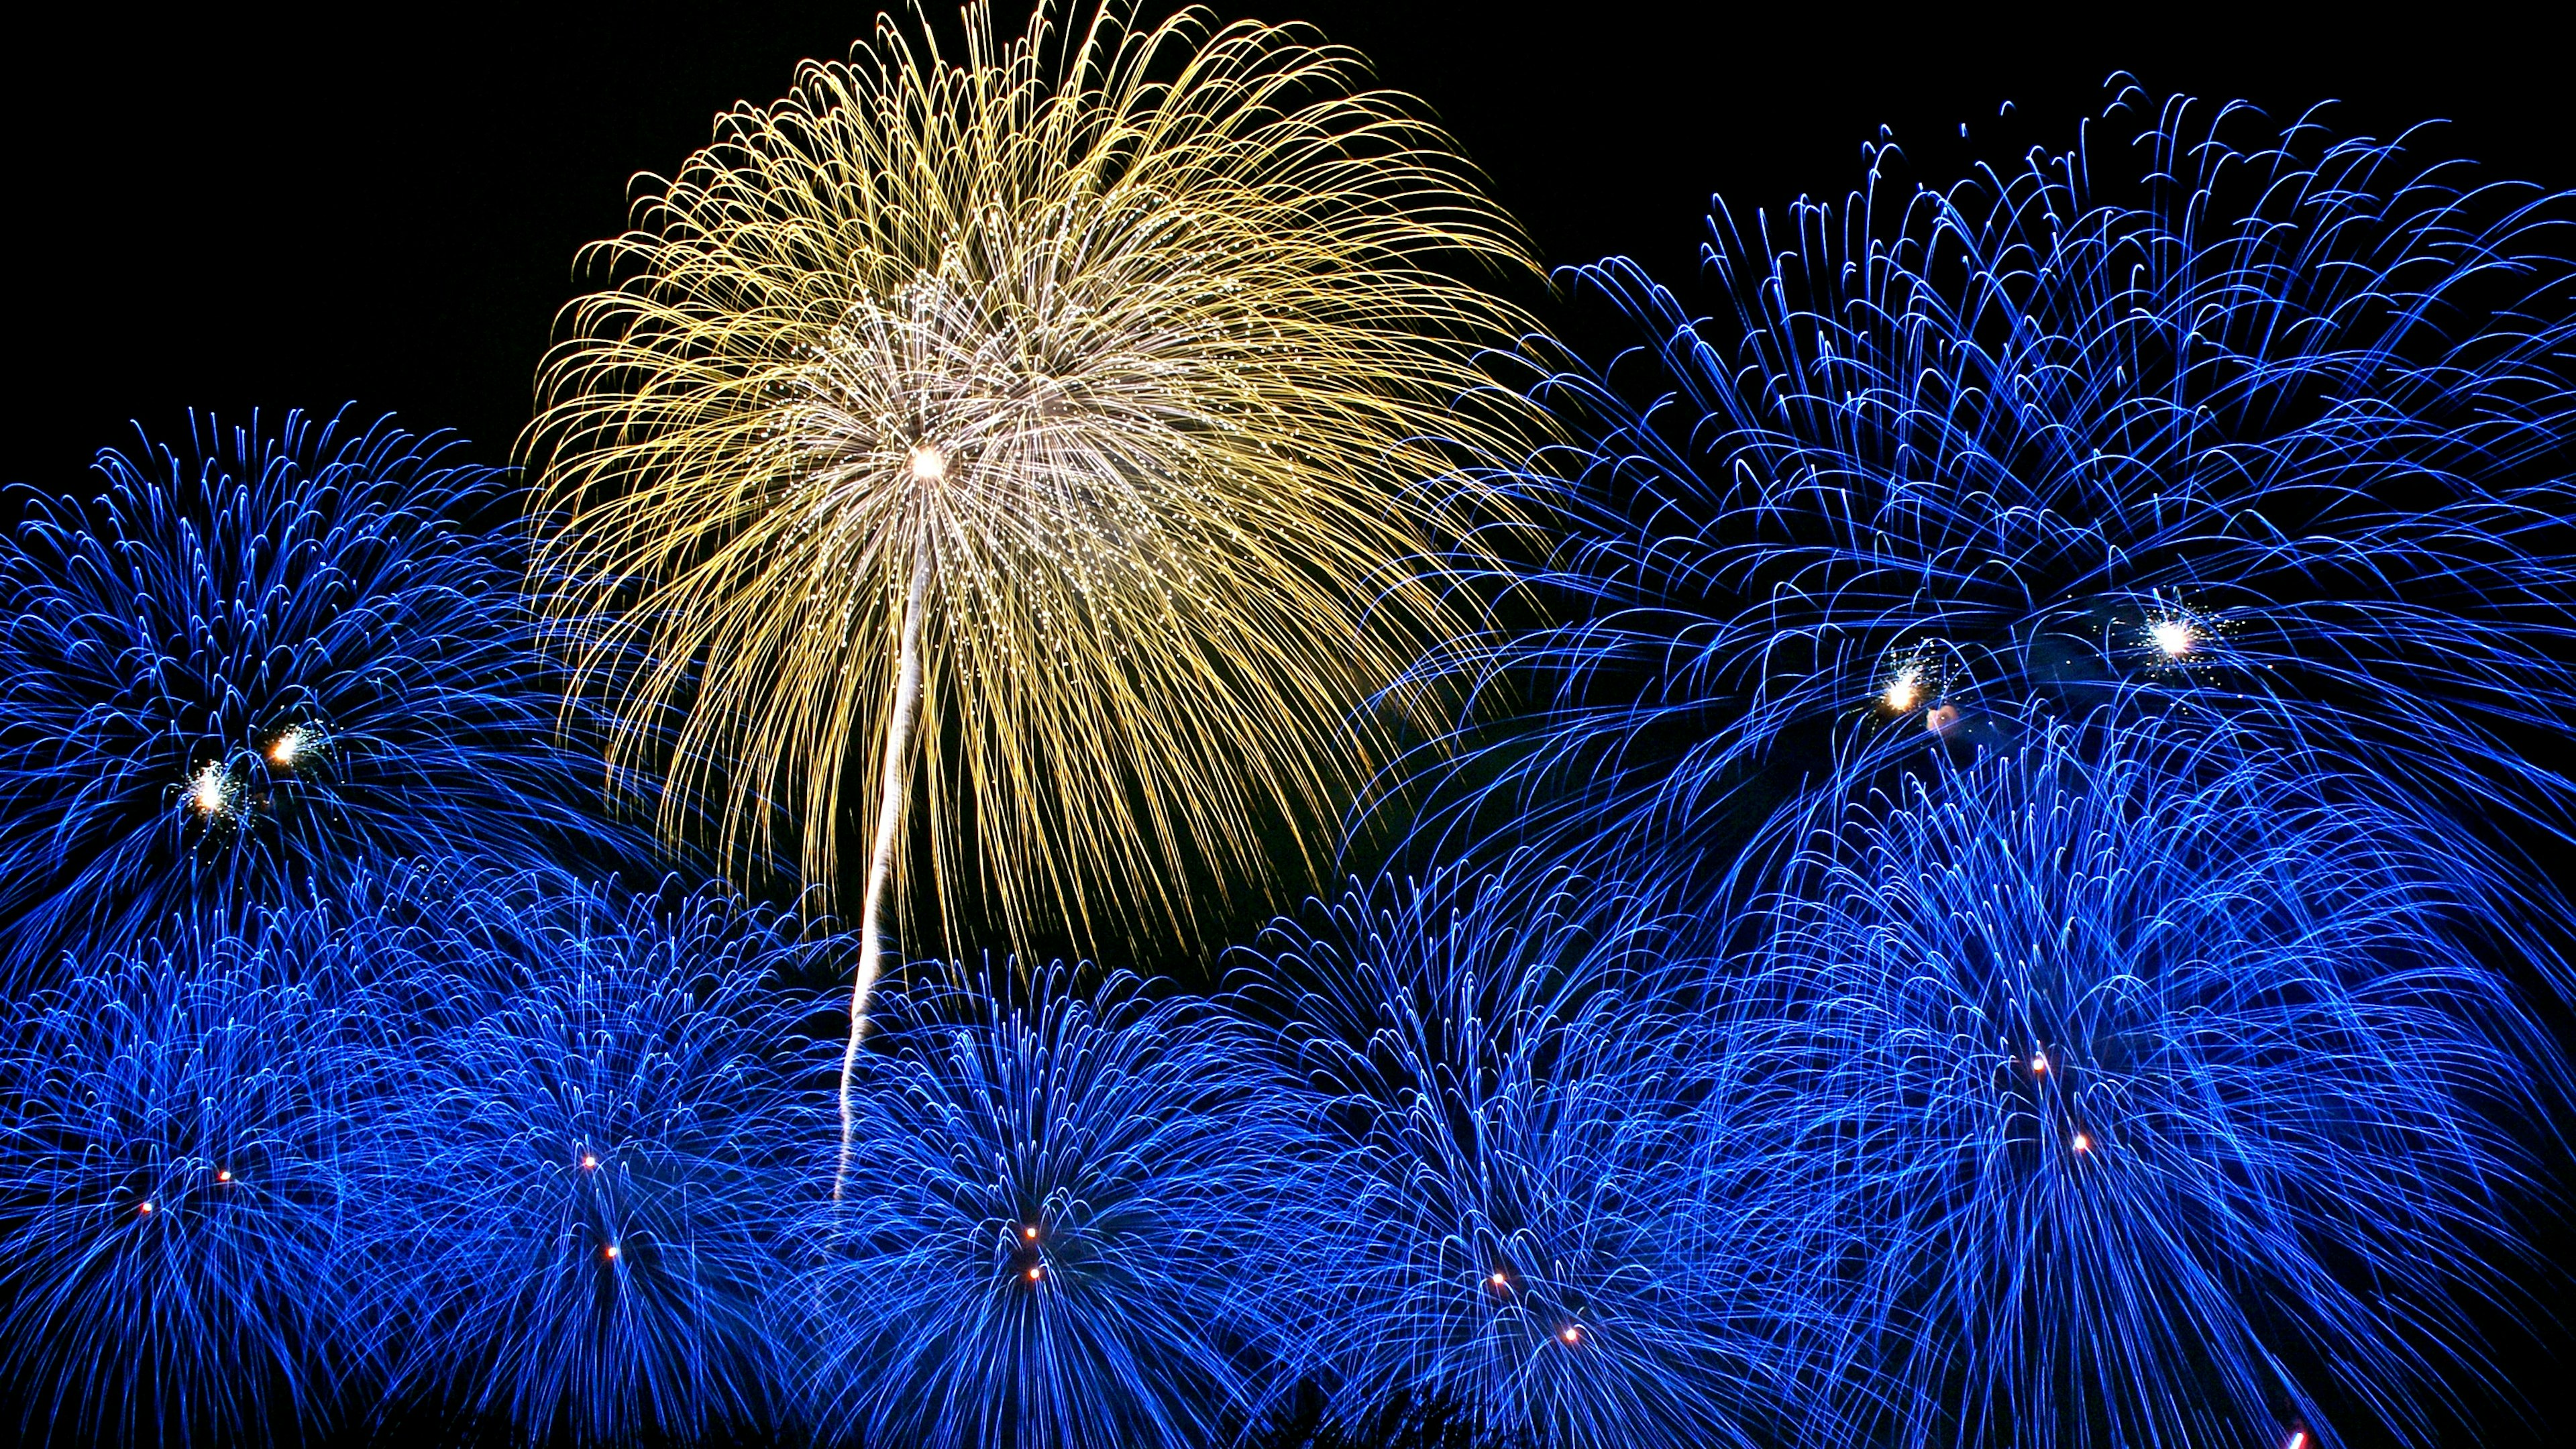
208,793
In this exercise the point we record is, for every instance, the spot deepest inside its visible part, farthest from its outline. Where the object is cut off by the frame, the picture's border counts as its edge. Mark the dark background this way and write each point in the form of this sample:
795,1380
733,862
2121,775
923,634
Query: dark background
228,211
254,210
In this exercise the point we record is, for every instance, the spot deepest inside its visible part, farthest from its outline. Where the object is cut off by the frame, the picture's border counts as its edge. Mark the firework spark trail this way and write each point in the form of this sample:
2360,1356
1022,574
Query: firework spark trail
2272,427
254,668
1117,348
2164,1081
890,801
1542,1205
1053,1234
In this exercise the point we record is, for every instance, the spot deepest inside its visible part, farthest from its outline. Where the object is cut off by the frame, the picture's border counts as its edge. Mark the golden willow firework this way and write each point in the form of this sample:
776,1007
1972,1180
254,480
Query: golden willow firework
1041,437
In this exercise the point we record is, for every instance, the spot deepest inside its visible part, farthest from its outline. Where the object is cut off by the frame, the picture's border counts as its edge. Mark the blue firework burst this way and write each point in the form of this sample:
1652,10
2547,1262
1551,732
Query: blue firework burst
1049,1233
2276,427
1545,1204
2168,1095
252,665
175,1129
574,1215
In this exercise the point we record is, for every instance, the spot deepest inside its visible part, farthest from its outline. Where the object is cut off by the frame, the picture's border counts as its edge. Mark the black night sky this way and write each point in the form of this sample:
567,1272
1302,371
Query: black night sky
233,210
224,211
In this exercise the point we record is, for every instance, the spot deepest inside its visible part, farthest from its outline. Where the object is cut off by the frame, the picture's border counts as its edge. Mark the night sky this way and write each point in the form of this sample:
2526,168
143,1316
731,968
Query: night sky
229,212
236,212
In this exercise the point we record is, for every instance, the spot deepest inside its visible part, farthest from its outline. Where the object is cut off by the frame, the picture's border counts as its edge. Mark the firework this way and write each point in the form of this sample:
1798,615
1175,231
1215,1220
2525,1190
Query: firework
1539,1205
1051,1233
573,1212
2164,1089
1055,415
2271,428
174,1129
254,666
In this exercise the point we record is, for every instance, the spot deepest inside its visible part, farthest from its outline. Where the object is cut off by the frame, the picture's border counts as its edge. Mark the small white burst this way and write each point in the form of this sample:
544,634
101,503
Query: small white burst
929,464
210,792
2174,637
1903,692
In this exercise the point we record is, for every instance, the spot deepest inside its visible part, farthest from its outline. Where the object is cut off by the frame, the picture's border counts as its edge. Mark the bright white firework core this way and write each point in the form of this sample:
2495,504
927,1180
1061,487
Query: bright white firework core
1902,692
2174,636
929,465
283,752
207,794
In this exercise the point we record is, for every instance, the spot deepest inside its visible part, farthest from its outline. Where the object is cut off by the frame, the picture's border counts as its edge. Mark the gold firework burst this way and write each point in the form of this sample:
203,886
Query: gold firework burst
1039,436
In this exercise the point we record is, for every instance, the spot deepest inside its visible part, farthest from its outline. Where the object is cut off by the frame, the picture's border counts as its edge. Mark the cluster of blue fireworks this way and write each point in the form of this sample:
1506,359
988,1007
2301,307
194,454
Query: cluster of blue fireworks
2019,911
480,1143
